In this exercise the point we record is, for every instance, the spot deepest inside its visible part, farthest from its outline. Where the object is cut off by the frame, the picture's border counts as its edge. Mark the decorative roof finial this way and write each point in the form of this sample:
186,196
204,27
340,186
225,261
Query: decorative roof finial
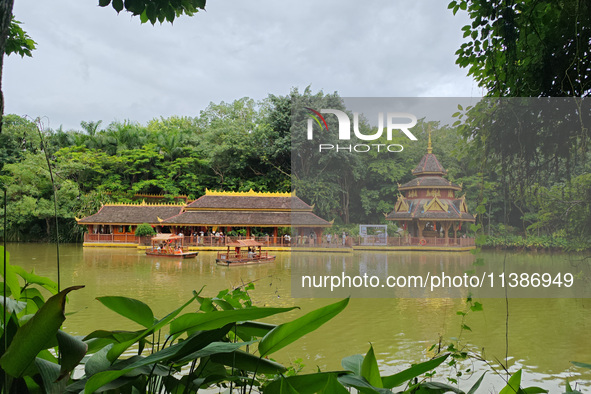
429,148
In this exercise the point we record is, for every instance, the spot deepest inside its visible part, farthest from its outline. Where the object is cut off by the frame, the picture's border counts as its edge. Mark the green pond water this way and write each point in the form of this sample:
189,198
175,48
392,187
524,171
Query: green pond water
544,334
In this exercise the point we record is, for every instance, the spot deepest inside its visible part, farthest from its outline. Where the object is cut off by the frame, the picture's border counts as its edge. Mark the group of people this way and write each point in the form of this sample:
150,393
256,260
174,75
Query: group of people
327,239
168,248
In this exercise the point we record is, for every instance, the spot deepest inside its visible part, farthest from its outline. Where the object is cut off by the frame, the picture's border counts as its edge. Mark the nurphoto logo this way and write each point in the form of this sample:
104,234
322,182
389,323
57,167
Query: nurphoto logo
392,121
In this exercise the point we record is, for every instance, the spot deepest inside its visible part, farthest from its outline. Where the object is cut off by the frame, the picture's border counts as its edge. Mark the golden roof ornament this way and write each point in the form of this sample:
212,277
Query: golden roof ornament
429,147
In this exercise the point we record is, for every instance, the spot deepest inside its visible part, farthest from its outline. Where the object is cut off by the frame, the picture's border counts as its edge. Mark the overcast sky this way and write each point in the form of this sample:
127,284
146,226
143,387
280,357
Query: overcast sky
92,64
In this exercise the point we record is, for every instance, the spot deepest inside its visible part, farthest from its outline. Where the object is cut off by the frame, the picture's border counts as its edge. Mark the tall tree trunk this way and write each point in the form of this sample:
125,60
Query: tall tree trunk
5,19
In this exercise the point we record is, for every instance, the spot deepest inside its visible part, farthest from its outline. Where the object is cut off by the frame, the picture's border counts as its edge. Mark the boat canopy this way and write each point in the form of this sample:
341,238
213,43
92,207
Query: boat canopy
166,237
244,243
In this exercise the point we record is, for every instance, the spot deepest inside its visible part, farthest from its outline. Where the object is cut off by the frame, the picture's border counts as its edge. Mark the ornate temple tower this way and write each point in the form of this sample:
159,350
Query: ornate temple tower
429,206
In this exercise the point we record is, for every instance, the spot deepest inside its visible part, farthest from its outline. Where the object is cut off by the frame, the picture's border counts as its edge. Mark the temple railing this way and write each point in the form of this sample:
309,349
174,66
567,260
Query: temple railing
111,238
295,242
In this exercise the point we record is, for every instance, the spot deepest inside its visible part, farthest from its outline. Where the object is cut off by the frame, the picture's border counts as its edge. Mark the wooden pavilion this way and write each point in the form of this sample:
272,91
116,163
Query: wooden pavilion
215,212
428,206
117,222
225,211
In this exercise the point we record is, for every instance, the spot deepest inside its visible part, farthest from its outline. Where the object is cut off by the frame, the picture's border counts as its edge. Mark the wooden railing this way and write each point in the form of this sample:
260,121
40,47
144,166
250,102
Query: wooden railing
269,241
111,238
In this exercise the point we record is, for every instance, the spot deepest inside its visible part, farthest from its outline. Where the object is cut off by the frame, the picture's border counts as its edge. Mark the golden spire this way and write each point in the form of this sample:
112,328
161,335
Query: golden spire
429,148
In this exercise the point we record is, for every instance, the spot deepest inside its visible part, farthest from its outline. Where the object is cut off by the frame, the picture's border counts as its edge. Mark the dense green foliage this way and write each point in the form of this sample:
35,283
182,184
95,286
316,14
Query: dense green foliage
144,230
534,160
156,10
230,146
19,41
527,48
526,188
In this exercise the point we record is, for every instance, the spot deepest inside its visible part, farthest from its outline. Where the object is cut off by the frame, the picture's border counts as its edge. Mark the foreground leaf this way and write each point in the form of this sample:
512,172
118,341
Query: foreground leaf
412,372
353,363
370,370
310,383
286,333
513,385
33,337
248,362
212,320
119,348
362,385
72,351
130,308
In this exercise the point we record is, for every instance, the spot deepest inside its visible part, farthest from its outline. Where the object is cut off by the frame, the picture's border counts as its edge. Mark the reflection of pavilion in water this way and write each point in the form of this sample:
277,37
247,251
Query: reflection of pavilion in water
428,208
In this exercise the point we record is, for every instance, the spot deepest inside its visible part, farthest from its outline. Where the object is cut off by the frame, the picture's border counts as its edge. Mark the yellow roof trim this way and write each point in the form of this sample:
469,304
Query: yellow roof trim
250,193
444,207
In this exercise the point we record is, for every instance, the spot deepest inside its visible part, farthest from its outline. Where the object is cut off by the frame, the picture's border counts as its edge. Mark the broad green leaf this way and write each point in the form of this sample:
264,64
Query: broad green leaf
360,384
333,386
50,374
98,362
436,387
250,329
512,386
101,377
225,305
248,362
534,390
309,383
12,280
213,348
31,277
412,372
72,351
33,337
582,365
217,319
33,297
119,348
130,308
370,370
286,388
118,336
353,363
104,3
286,333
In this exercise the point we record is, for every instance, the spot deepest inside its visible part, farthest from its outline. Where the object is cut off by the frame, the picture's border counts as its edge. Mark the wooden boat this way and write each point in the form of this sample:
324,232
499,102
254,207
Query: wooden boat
169,245
245,252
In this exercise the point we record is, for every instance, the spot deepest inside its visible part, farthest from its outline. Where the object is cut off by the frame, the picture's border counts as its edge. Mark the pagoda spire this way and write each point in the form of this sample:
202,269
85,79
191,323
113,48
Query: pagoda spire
429,147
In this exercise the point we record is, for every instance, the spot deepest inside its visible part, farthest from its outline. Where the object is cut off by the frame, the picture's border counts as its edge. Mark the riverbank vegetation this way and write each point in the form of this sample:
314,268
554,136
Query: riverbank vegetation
538,199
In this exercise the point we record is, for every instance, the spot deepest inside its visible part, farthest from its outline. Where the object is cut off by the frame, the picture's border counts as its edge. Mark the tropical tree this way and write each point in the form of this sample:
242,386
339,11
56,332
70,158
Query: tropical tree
527,48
